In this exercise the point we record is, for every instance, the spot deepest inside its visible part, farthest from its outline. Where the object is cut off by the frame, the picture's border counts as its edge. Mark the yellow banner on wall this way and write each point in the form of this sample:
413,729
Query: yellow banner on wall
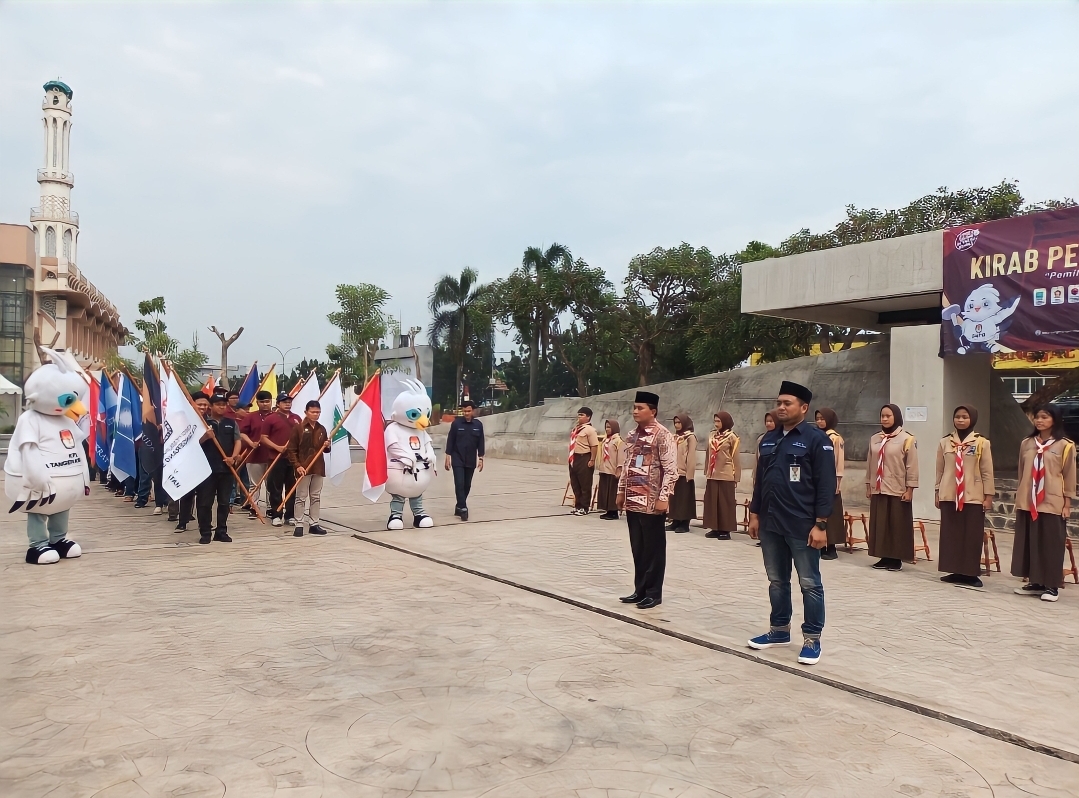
1064,359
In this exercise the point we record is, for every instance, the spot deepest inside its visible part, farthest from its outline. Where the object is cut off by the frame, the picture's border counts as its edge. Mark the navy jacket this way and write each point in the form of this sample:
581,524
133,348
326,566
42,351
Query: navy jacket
464,442
795,482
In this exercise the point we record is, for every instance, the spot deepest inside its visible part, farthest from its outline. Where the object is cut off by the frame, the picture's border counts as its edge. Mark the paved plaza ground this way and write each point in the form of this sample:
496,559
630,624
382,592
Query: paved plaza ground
493,659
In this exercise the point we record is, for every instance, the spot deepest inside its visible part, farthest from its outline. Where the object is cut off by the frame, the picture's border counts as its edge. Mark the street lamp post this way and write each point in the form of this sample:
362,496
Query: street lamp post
284,372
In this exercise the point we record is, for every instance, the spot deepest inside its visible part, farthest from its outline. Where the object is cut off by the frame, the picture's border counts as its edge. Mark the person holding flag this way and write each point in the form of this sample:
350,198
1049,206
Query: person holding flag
276,430
251,435
220,483
307,448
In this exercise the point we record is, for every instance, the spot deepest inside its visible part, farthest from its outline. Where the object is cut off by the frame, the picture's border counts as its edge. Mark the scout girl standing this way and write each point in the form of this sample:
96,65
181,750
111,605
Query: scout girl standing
1043,505
611,457
827,420
684,501
721,470
964,491
891,476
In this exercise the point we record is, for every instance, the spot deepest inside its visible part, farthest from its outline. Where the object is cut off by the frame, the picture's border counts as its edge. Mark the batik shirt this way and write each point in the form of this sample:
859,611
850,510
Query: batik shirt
650,469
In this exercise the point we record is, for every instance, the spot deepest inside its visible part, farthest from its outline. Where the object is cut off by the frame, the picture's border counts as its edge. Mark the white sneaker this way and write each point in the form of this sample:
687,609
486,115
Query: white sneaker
277,521
157,511
292,522
1050,594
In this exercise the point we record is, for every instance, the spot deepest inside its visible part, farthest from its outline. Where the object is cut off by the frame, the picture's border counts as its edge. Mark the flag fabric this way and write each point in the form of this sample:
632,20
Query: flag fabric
185,464
151,392
106,422
250,386
339,460
365,424
209,385
94,400
309,391
128,428
269,383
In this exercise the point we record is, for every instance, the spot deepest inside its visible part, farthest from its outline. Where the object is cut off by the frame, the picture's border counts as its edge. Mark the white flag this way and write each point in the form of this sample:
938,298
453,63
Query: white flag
309,391
185,464
339,460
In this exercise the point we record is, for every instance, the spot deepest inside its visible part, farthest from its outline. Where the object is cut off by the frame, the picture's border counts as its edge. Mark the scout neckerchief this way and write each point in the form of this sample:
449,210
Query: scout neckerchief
573,441
715,441
960,486
885,437
607,447
1037,473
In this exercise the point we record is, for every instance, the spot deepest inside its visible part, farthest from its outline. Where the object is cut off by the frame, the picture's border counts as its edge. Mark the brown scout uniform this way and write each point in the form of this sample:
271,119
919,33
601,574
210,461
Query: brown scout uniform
1038,550
962,533
891,520
722,468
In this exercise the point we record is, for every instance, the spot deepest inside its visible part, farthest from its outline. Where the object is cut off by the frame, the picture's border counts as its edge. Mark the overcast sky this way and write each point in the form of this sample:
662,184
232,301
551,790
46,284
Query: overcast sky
243,159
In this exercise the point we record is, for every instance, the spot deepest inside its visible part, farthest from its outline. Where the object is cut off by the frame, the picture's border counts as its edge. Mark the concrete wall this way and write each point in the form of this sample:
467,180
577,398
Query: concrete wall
854,383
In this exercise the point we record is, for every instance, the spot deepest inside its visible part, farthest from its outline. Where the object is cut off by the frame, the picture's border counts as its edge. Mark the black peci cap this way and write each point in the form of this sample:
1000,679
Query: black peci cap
794,389
646,398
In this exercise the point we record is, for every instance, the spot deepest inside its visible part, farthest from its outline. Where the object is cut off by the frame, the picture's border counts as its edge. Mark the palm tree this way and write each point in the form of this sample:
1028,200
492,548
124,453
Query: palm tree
458,320
536,267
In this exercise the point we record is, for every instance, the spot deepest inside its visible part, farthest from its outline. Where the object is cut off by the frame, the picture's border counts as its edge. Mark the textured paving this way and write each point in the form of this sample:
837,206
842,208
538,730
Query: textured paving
336,667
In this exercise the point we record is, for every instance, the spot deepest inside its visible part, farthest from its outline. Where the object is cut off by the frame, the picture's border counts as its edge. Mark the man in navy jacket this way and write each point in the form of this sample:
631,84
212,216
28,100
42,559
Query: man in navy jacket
464,454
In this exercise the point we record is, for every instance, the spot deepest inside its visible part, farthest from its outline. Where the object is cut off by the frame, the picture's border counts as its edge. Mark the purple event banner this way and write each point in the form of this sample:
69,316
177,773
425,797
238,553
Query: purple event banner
1012,285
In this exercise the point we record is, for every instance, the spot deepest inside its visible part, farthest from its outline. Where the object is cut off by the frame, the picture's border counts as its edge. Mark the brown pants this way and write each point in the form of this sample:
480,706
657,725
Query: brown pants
580,481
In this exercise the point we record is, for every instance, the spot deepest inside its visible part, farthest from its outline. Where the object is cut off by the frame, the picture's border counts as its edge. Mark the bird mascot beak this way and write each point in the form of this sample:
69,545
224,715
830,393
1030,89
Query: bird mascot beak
76,411
423,422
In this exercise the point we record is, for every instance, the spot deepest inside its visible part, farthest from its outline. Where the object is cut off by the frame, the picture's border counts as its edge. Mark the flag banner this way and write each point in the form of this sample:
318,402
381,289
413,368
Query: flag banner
185,464
209,385
269,383
151,391
1012,285
309,391
339,460
93,404
128,428
365,424
251,385
106,422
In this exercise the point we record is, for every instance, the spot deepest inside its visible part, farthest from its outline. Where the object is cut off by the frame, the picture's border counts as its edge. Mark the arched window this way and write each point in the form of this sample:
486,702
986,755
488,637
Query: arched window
67,244
50,243
54,143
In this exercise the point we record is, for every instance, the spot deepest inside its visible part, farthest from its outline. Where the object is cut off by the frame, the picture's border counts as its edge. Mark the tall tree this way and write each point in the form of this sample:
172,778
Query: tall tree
459,321
589,296
362,321
659,291
157,340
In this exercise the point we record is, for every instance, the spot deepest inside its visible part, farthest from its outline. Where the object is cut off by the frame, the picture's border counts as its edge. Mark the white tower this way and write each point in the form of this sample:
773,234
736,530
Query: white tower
55,224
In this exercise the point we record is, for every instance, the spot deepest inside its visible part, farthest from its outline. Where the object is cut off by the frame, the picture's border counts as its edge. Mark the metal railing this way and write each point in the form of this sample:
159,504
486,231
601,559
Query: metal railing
41,215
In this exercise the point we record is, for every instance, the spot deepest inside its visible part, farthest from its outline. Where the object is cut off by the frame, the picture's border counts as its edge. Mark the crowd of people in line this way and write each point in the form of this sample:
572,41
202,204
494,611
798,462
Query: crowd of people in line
796,511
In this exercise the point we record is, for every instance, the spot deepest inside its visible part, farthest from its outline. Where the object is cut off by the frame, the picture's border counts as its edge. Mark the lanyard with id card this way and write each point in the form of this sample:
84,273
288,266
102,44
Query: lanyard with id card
795,473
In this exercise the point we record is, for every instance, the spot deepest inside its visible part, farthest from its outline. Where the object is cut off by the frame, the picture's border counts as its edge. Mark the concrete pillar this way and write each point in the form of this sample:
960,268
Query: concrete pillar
920,379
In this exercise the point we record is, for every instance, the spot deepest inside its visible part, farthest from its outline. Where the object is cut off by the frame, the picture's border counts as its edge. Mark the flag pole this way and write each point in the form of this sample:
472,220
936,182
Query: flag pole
335,429
217,443
295,390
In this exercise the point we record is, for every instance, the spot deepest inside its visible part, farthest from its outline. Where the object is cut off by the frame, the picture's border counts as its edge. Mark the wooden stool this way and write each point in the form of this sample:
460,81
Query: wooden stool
925,543
744,522
567,495
851,540
1072,572
595,497
987,561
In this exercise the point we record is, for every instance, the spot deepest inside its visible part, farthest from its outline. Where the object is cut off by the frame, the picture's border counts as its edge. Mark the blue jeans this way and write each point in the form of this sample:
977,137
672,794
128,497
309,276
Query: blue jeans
43,530
149,476
779,551
397,505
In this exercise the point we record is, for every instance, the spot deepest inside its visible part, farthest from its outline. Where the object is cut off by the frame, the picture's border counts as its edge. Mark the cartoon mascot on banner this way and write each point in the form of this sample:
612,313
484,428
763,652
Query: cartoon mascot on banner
45,471
981,321
410,456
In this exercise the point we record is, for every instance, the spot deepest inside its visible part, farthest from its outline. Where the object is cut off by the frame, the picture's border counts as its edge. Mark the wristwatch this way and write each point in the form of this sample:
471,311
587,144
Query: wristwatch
822,525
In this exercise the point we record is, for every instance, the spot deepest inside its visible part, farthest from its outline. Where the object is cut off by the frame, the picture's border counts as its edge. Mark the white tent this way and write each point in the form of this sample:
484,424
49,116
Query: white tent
7,386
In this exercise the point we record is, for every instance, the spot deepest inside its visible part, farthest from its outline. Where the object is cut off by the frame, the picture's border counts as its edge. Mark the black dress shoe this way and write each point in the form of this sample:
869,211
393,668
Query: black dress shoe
712,533
316,530
632,598
829,553
648,603
457,511
464,514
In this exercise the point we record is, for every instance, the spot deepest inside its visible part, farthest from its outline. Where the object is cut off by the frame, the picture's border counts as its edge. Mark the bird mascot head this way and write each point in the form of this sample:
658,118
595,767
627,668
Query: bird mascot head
412,407
54,389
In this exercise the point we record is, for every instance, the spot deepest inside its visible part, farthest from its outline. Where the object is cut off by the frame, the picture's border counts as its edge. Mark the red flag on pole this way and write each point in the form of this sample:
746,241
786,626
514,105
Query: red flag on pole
364,423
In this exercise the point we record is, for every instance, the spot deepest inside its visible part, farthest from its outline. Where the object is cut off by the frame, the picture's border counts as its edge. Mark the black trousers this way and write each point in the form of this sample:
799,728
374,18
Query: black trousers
280,482
648,542
216,486
462,484
580,480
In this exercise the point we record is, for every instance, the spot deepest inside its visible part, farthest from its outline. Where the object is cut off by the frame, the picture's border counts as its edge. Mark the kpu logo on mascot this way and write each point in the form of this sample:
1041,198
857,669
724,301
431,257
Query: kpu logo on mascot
410,456
981,321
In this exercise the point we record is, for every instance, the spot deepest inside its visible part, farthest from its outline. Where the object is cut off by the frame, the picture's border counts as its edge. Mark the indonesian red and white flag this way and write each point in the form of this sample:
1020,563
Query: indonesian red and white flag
364,423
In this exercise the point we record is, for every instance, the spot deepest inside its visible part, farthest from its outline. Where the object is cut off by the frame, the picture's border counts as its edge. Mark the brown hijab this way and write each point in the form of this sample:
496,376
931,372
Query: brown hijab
727,419
686,421
775,421
973,413
614,426
830,417
897,419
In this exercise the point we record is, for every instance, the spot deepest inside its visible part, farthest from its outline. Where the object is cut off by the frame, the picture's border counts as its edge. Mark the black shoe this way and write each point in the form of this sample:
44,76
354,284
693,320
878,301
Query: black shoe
880,565
316,530
297,532
974,581
673,526
180,528
723,536
139,506
632,598
648,603
953,578
712,533
894,565
682,527
829,553
45,555
417,520
463,515
204,539
174,518
457,511
223,537
610,515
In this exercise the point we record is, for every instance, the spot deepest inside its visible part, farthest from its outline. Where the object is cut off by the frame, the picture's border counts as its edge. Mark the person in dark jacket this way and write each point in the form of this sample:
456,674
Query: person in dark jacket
464,454
793,494
221,457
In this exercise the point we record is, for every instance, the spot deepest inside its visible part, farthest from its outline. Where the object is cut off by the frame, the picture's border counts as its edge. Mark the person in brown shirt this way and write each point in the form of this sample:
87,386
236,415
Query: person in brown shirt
963,492
583,448
890,480
612,457
276,429
721,472
827,419
1043,504
684,500
644,492
307,445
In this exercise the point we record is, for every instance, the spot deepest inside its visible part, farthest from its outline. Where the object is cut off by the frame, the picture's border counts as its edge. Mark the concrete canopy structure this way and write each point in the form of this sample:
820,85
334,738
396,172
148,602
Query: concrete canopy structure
893,286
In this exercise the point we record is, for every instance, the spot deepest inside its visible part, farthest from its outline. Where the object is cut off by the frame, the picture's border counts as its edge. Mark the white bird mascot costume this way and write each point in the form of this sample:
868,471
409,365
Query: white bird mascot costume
45,472
410,457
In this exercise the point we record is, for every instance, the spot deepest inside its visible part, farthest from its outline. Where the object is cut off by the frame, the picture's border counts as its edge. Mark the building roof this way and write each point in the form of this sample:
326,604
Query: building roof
56,84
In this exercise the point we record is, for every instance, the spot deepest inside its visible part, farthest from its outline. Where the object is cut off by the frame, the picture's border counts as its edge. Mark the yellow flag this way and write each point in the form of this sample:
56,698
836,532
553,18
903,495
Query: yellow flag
269,383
